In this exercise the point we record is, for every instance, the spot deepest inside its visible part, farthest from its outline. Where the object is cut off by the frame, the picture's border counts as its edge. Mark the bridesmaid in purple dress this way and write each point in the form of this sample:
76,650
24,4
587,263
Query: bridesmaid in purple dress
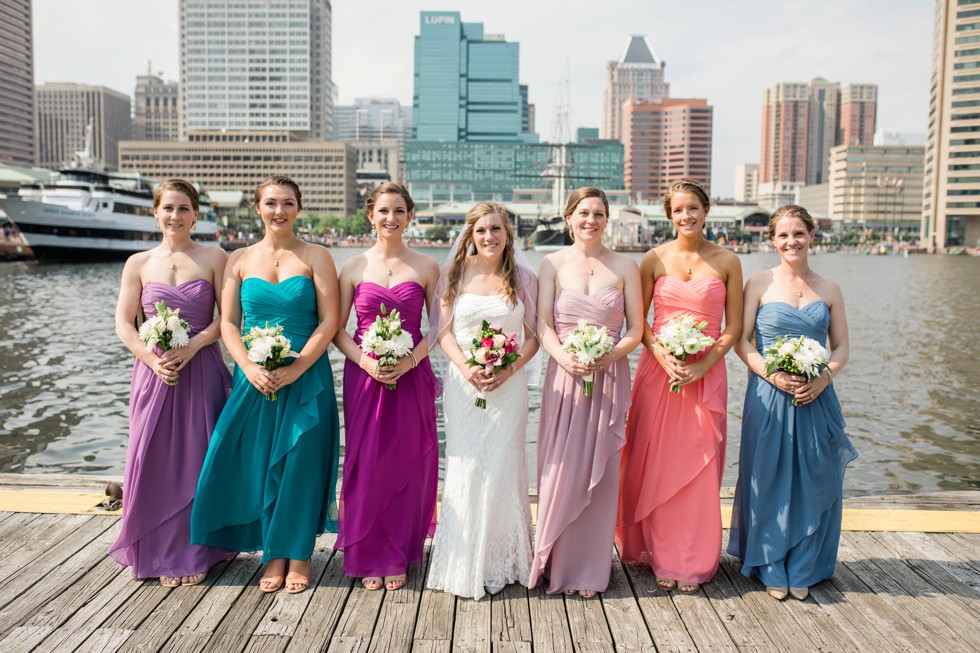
391,456
170,424
580,438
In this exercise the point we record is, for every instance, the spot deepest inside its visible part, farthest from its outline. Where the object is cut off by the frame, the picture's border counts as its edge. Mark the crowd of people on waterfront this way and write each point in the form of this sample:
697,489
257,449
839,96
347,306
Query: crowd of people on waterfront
215,466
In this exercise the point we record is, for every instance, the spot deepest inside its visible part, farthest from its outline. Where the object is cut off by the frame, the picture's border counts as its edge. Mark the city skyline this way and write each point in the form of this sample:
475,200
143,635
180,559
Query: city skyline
724,52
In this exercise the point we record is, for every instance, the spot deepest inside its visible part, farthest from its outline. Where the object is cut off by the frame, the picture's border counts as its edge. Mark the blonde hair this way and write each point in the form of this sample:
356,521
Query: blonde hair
687,185
179,186
388,187
279,180
508,272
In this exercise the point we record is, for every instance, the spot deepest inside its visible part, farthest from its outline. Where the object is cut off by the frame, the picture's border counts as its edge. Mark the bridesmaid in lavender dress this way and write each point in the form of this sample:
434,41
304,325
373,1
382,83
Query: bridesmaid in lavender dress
391,459
580,438
170,424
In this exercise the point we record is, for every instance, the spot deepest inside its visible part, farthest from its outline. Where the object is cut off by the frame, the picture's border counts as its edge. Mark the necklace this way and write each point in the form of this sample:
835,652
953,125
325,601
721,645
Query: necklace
595,261
689,273
385,266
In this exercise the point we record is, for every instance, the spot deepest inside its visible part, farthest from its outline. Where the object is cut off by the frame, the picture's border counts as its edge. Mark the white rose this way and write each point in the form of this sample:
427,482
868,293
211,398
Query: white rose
481,356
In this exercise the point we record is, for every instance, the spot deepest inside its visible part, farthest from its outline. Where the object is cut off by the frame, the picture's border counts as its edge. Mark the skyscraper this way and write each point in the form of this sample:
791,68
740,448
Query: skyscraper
951,191
372,119
665,139
156,116
16,83
639,74
259,65
801,122
466,82
65,110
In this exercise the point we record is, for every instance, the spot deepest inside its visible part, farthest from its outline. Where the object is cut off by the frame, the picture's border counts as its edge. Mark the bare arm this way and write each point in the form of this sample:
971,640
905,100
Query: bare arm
635,321
745,346
127,310
839,347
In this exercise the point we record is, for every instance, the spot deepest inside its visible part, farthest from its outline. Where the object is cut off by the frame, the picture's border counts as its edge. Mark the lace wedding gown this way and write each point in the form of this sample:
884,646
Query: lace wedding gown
484,532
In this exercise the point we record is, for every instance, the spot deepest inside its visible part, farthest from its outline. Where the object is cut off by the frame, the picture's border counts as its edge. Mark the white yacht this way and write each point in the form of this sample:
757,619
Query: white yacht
88,214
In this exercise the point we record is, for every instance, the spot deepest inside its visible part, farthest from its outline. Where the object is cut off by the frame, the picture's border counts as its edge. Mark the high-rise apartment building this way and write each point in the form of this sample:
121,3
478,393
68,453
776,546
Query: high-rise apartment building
858,113
65,110
16,83
801,122
951,192
156,114
665,139
876,188
256,65
466,83
638,75
746,182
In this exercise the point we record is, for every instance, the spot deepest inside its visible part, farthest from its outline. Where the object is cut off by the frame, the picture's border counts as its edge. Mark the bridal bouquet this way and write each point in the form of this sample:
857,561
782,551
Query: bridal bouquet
386,340
165,329
801,356
682,337
491,350
269,348
588,343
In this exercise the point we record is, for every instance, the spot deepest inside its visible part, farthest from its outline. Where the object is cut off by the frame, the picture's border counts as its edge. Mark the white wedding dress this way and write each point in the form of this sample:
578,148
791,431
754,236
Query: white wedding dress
484,532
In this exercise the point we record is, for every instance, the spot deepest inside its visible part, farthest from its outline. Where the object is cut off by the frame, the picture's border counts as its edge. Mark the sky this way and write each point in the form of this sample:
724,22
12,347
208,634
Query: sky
727,51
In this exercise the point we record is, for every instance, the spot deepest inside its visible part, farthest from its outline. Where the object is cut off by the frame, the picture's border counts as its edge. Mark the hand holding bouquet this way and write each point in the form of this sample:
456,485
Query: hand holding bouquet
491,349
682,337
800,356
165,329
269,348
587,344
386,340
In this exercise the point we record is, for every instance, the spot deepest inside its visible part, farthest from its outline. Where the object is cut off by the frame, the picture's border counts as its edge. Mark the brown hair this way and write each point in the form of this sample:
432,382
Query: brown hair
687,185
279,180
580,194
389,187
179,186
791,211
508,282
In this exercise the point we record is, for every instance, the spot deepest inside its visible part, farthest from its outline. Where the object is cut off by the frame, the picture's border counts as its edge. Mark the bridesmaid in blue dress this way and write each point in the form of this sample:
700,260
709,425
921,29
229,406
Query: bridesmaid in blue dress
270,476
787,514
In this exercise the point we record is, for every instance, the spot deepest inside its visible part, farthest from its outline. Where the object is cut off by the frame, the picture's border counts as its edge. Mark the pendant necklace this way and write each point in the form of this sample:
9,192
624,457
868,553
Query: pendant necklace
689,273
594,261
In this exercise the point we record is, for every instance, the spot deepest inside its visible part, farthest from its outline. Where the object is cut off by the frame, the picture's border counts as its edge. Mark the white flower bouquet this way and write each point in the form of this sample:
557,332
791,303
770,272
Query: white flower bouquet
684,337
166,329
588,344
269,348
387,340
800,356
492,350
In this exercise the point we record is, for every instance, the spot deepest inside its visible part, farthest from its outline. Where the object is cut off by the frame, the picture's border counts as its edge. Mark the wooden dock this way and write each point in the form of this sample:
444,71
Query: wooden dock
894,590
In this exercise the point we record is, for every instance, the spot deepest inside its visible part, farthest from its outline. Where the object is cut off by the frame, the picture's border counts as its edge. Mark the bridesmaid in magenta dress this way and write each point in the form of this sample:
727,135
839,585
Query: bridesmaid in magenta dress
391,456
170,424
579,437
669,511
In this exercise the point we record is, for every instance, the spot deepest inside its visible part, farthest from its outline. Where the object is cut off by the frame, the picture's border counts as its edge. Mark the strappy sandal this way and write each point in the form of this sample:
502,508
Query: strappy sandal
588,594
372,583
196,579
270,584
170,581
396,582
297,584
666,584
688,588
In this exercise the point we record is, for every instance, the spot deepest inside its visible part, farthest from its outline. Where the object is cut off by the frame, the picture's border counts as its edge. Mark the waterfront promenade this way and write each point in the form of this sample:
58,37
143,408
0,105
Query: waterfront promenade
908,579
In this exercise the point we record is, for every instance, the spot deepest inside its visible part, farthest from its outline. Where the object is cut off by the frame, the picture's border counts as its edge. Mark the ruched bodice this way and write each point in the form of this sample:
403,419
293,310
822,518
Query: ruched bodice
701,297
605,307
290,303
194,298
776,319
407,297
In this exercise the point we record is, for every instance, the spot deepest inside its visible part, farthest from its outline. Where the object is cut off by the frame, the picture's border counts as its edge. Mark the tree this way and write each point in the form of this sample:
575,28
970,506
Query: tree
437,232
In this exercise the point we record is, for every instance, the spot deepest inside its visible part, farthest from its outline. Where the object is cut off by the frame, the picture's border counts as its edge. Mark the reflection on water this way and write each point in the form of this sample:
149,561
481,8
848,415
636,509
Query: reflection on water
910,391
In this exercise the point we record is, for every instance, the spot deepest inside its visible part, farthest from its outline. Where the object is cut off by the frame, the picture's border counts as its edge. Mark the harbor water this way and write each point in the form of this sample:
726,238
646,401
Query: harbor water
910,393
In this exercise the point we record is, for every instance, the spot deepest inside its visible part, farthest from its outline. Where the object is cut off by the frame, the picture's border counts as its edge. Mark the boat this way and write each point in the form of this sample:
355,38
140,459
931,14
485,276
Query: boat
550,235
88,214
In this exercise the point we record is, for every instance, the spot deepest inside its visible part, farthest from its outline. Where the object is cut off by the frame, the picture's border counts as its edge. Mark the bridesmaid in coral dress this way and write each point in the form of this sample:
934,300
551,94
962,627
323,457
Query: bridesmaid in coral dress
391,459
669,511
580,437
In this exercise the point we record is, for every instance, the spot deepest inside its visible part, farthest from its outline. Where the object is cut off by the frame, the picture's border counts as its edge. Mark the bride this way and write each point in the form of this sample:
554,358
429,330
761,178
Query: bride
483,541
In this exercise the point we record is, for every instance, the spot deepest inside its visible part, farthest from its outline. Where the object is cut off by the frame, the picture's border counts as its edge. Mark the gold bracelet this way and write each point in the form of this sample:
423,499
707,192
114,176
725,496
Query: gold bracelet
415,362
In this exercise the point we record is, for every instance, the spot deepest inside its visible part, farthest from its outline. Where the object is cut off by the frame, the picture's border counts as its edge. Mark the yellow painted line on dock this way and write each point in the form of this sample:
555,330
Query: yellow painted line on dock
855,519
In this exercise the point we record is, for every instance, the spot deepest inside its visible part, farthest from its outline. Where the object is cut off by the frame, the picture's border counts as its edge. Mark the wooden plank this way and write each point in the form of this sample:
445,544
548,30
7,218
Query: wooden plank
741,623
471,632
13,522
54,502
512,647
587,623
431,646
329,596
855,623
396,621
629,631
663,622
356,624
105,641
510,615
241,619
26,544
908,626
206,617
435,621
56,481
944,553
39,583
939,596
549,622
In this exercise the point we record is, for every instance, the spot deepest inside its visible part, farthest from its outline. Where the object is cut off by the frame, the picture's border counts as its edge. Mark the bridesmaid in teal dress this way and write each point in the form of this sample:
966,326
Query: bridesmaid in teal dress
786,519
270,476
